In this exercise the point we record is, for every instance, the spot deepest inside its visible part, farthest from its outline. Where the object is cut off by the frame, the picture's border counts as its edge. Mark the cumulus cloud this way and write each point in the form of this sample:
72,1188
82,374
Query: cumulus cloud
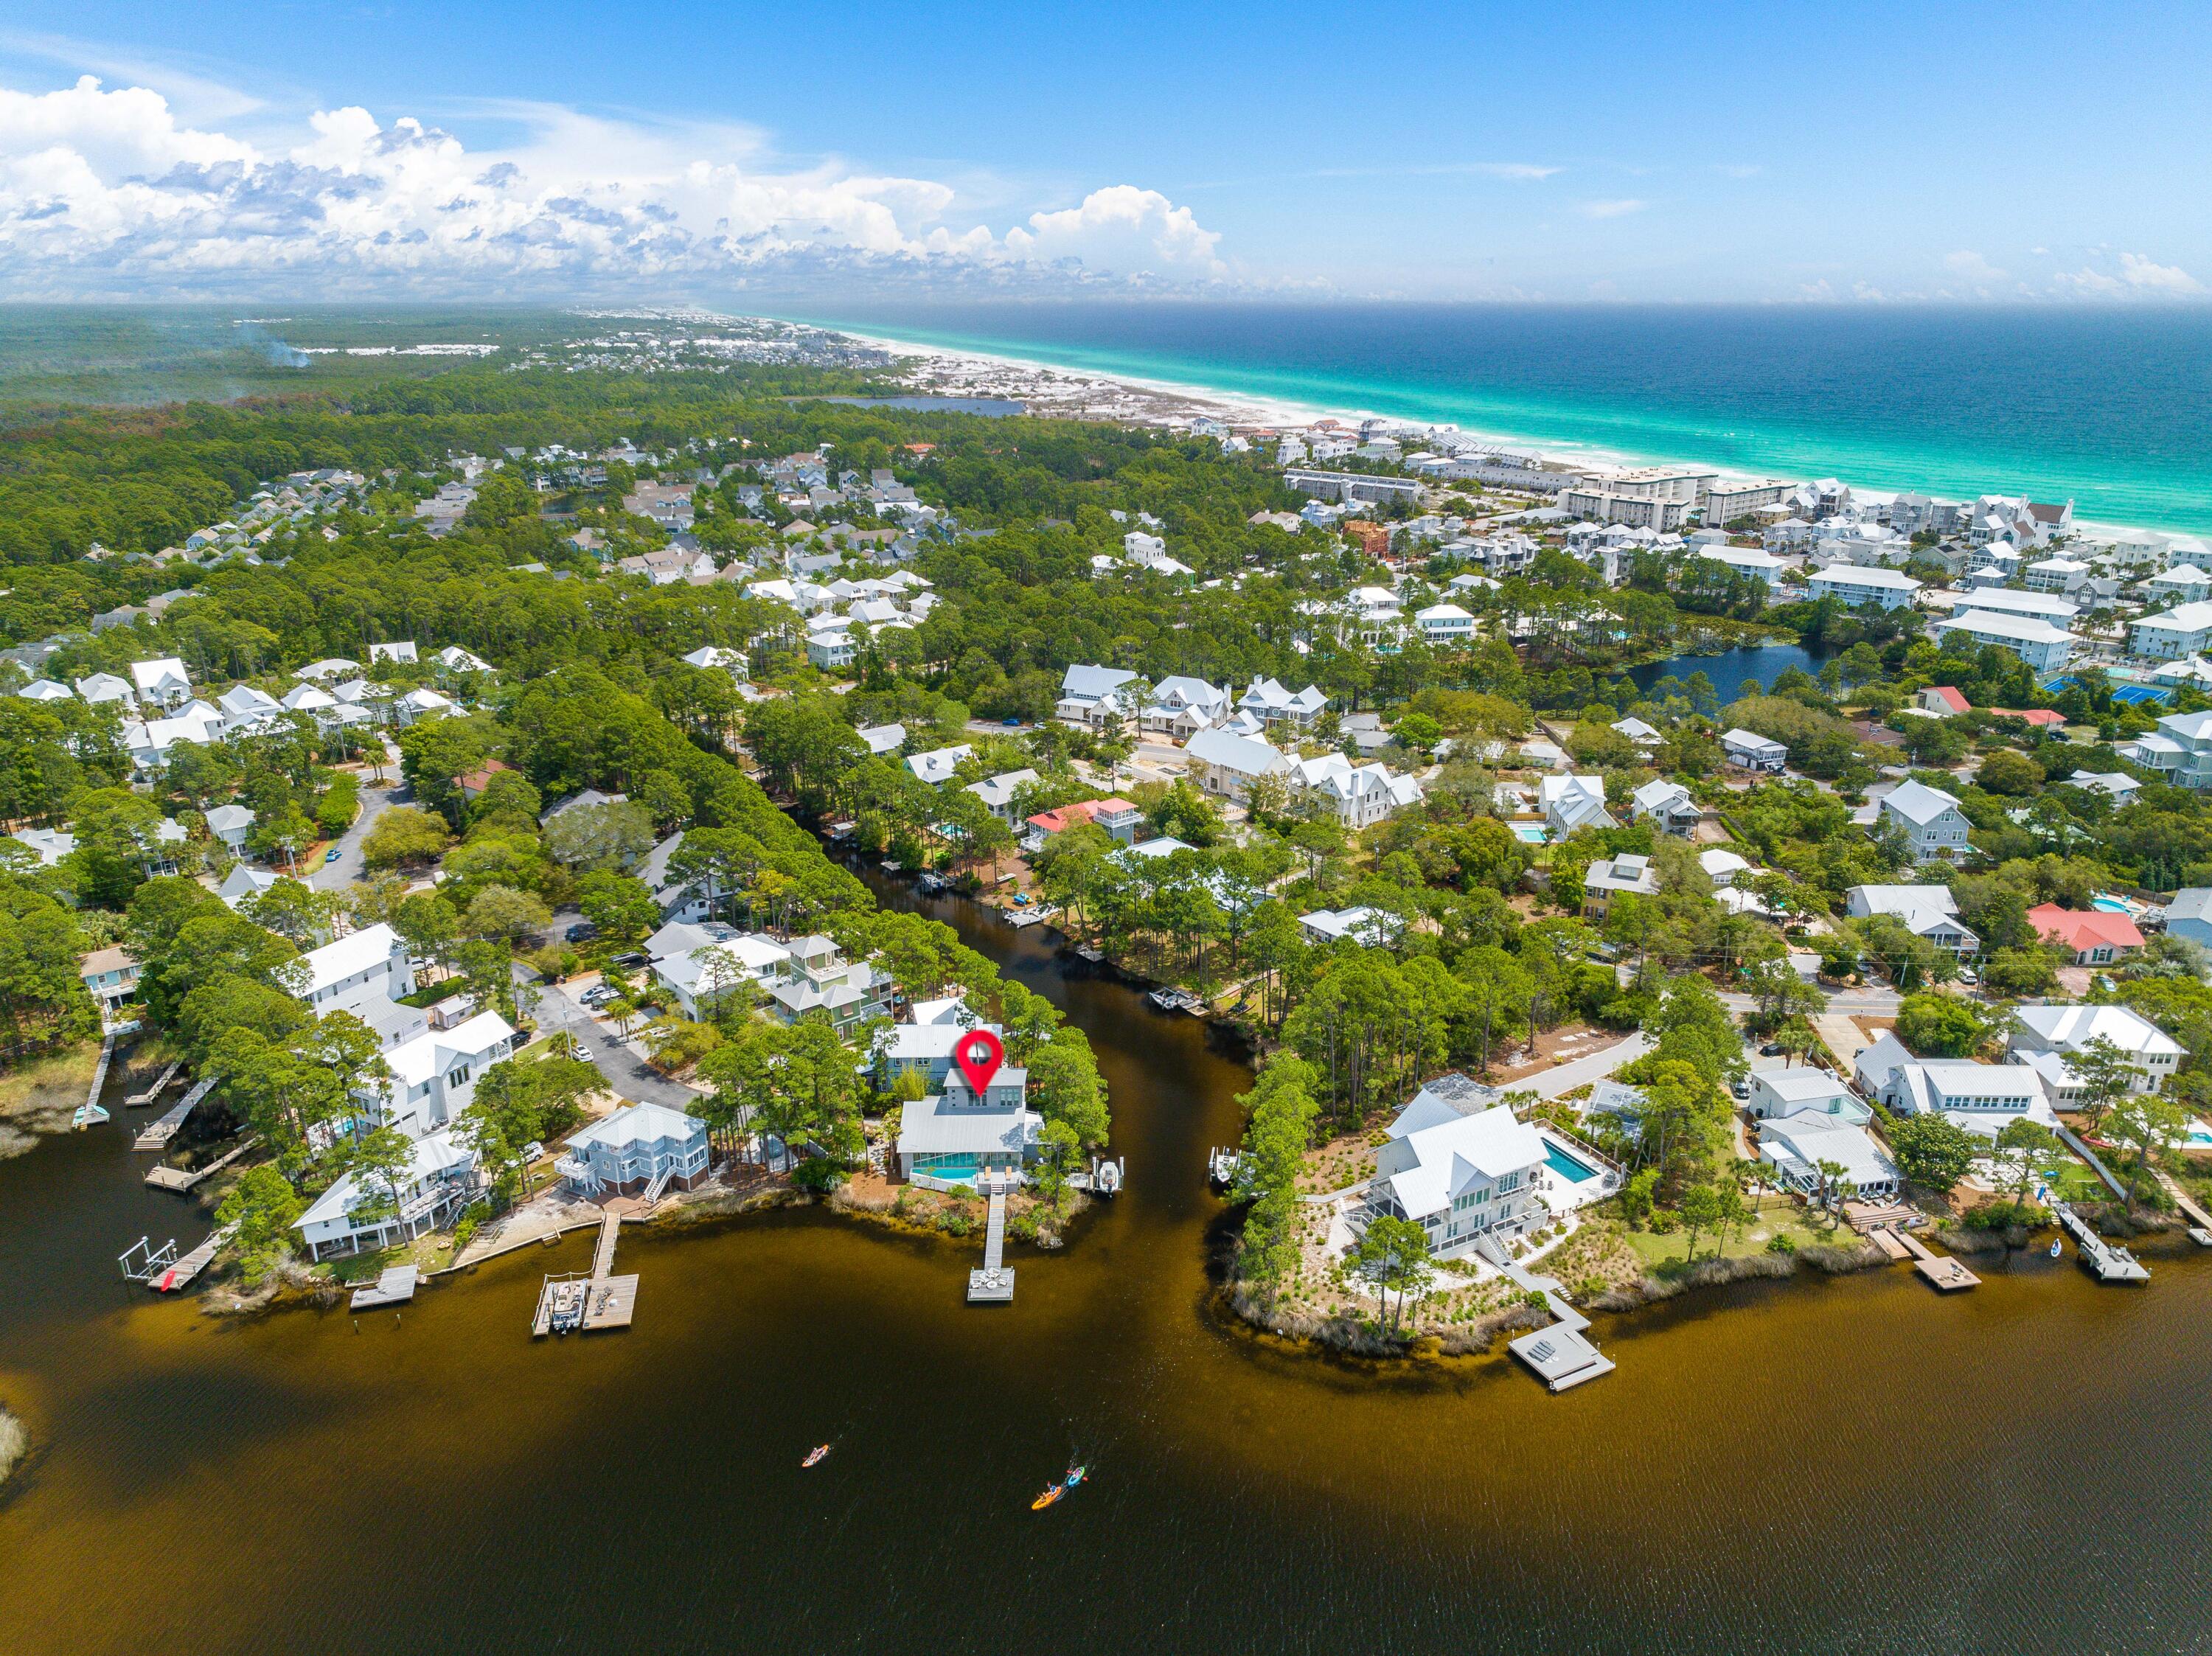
108,190
2138,277
1970,266
1612,209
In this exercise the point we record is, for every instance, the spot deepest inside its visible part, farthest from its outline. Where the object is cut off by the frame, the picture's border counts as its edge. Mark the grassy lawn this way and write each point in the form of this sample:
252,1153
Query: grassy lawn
39,1095
1775,1218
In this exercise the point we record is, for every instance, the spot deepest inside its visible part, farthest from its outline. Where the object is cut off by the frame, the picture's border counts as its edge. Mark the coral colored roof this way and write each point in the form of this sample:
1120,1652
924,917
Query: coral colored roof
2032,715
1950,698
2079,928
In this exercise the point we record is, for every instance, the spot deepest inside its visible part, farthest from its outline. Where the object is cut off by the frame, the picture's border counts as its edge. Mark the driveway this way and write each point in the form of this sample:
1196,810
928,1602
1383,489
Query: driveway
1565,1077
628,1075
350,869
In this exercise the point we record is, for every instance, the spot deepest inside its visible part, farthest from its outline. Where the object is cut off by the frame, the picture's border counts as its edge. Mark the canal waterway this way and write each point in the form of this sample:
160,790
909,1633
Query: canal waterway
1852,1464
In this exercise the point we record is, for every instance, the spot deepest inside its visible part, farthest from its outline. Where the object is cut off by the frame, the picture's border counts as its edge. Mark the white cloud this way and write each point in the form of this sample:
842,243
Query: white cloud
1970,266
1612,209
1125,228
109,191
2138,277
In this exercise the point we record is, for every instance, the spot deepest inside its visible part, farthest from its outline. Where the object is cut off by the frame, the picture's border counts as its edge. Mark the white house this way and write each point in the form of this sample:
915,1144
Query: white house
1803,1090
2060,574
1360,795
1934,826
1854,585
1798,1144
245,881
399,651
358,1212
162,682
1667,805
1753,751
1445,624
455,659
1722,867
2065,1030
1460,1171
1609,877
831,648
357,971
997,793
98,687
641,1148
1183,706
1371,927
421,702
2045,648
2184,630
1574,802
882,738
958,1135
231,824
698,965
1645,735
1745,560
2184,583
1268,701
1091,695
938,764
434,1075
1927,911
818,979
1229,765
925,1047
1979,1097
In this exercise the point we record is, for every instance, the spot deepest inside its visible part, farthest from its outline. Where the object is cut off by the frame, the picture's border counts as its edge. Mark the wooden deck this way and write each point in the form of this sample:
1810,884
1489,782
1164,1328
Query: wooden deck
180,1274
1940,1270
1882,1238
156,1135
181,1179
392,1287
140,1100
993,1284
2108,1261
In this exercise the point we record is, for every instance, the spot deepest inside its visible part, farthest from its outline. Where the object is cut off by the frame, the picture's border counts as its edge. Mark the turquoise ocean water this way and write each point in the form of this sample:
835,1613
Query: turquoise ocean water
2112,409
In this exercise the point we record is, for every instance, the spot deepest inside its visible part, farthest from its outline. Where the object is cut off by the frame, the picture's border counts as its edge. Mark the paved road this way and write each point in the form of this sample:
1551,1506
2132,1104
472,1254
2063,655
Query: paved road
350,869
627,1074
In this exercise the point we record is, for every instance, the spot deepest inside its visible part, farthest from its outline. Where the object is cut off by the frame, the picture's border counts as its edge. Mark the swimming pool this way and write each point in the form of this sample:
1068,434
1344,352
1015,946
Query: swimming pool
1566,1166
960,1172
1530,832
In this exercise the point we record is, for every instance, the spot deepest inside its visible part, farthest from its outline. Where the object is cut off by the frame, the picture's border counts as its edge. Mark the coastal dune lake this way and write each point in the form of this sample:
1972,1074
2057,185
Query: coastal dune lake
1852,1465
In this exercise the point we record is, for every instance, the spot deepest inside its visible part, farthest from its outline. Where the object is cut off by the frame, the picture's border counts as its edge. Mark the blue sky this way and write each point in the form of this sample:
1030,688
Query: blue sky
1637,151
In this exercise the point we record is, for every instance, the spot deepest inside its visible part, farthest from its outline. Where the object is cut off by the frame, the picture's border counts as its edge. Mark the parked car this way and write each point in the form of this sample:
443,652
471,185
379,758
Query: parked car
1968,976
1772,1049
598,995
1741,1089
332,855
582,931
633,958
532,1150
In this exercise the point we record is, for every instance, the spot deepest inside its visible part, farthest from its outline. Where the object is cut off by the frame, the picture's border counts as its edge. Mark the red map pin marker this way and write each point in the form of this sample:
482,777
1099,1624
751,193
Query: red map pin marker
979,1056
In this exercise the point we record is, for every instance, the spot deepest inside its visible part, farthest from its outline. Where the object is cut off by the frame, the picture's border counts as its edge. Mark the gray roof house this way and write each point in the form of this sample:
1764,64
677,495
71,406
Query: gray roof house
641,1148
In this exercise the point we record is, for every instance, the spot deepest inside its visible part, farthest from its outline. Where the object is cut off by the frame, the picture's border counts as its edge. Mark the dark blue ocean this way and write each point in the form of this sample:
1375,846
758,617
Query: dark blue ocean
2110,408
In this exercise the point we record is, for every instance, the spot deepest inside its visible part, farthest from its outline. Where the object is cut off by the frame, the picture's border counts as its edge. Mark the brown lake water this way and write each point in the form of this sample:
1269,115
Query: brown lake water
1820,1465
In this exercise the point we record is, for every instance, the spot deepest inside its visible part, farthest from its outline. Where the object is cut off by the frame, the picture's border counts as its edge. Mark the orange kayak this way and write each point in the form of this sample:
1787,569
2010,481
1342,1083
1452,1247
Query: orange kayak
816,1455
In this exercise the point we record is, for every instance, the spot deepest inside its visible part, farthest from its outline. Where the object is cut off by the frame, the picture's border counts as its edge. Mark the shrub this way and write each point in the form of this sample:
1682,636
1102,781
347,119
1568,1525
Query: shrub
1783,1243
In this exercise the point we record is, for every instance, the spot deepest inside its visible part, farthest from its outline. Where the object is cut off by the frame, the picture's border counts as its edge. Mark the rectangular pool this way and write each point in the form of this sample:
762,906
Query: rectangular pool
1566,1166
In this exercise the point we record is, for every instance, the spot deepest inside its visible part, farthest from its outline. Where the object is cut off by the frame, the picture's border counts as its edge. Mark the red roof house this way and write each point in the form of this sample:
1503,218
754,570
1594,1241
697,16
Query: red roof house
1117,816
1942,699
2043,717
2093,935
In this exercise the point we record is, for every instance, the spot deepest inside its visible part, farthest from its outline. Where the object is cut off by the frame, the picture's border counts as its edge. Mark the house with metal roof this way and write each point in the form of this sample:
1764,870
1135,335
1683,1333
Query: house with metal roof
640,1148
1459,1176
359,1213
958,1135
1927,911
1934,827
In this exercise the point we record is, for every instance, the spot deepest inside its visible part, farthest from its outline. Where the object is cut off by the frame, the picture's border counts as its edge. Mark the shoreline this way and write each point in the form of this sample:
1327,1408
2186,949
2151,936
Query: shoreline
1242,407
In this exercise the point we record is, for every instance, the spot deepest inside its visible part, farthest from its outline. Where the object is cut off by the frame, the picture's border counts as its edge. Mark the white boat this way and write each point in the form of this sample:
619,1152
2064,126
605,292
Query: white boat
2054,1248
1106,1177
87,1115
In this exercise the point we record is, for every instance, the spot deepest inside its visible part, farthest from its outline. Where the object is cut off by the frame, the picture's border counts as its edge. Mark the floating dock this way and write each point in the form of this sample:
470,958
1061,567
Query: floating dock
392,1287
994,1283
160,1268
2108,1261
157,1134
1561,1355
1940,1270
586,1304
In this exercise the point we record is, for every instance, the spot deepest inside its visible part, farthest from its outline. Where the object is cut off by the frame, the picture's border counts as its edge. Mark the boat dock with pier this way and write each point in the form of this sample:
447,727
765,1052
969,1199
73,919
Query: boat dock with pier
160,1269
139,1100
393,1287
181,1179
993,1284
156,1135
2107,1261
573,1304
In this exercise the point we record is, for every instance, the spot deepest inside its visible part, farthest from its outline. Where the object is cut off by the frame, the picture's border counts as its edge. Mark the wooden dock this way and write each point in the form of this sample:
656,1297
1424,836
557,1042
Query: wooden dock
181,1179
2107,1261
140,1100
156,1135
179,1275
1884,1239
1940,1270
588,1304
993,1284
392,1287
